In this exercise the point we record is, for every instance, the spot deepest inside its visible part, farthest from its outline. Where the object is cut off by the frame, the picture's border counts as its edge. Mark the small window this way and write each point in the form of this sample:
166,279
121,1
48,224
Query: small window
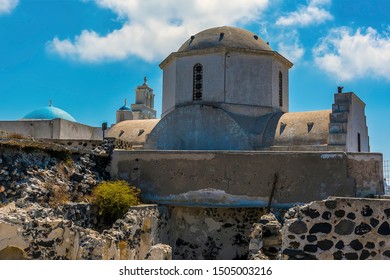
280,89
197,81
359,143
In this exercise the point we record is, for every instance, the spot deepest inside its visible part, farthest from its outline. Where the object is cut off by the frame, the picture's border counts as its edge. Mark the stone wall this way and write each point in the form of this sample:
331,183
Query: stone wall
196,233
338,228
41,216
35,232
145,232
48,174
228,178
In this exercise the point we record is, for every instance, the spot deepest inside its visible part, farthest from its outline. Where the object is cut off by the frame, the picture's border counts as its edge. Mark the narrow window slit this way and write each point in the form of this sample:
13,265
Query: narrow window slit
197,82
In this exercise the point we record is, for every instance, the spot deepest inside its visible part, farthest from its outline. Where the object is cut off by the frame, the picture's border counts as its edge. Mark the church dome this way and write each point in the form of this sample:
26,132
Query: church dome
124,108
229,37
49,113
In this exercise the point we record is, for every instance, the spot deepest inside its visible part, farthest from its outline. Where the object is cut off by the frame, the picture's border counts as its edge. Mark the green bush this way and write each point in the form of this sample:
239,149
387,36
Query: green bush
113,199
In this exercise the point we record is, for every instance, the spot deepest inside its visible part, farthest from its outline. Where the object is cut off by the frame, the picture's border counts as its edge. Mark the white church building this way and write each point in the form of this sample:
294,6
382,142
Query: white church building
226,137
226,89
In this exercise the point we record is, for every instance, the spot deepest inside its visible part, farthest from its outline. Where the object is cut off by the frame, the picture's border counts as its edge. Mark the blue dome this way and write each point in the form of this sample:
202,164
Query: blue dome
48,113
124,108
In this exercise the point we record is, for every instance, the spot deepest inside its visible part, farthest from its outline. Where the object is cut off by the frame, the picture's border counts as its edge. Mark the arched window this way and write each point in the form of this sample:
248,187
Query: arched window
197,82
280,89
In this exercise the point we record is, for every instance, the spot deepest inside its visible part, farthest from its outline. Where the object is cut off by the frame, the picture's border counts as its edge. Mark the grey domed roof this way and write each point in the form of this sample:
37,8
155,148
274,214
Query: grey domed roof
229,37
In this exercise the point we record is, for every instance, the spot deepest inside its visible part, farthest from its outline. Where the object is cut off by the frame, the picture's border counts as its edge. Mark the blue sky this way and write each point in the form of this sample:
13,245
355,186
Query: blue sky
88,55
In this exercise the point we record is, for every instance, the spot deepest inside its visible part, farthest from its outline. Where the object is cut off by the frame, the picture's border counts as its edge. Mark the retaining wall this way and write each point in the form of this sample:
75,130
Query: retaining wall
235,179
338,228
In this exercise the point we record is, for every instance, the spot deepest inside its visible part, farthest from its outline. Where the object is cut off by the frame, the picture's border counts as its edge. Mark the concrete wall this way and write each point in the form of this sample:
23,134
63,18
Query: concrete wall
53,129
338,228
180,73
37,129
198,127
357,124
213,77
169,88
367,170
346,121
72,130
249,79
276,67
244,178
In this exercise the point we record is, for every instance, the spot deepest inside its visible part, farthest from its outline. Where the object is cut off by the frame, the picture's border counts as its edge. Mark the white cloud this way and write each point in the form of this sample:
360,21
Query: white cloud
313,13
6,6
290,46
347,54
152,29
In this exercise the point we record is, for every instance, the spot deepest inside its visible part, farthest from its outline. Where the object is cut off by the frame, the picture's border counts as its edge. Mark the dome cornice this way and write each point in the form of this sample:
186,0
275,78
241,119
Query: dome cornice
275,54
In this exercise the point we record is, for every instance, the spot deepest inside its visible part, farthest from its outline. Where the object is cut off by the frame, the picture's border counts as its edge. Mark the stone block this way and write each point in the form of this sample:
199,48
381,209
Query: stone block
255,245
12,253
340,107
344,107
338,127
159,252
338,139
340,117
342,98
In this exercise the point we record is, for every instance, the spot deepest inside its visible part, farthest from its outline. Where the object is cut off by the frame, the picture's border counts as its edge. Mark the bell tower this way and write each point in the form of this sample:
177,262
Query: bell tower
143,108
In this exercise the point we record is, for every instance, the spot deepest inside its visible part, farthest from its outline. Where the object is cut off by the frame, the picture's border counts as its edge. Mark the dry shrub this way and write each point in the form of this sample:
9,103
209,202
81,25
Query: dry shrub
113,199
14,135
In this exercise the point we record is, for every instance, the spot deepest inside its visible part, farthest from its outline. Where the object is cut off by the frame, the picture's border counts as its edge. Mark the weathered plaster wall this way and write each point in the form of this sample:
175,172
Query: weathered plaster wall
169,88
367,170
53,129
346,121
225,80
37,129
208,233
198,127
244,178
249,79
357,124
283,68
72,130
213,77
338,228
